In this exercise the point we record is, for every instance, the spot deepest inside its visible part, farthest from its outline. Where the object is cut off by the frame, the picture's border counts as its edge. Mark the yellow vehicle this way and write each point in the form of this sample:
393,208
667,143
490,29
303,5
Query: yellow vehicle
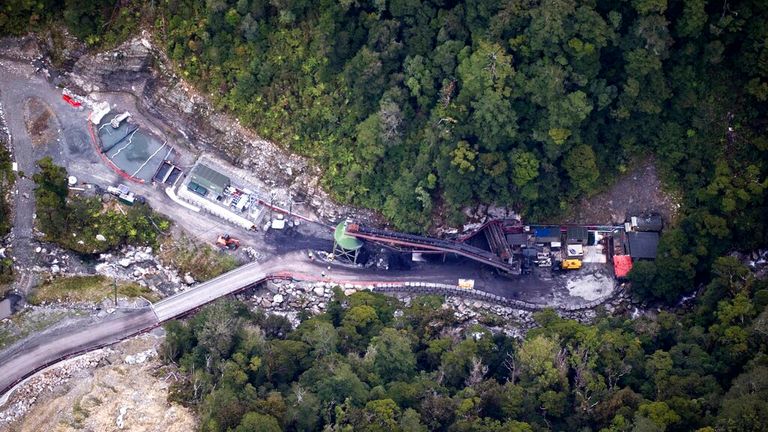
571,264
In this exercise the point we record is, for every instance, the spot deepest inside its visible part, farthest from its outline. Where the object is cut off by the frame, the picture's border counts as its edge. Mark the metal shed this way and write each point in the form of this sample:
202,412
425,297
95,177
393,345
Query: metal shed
643,245
519,239
577,234
652,222
208,179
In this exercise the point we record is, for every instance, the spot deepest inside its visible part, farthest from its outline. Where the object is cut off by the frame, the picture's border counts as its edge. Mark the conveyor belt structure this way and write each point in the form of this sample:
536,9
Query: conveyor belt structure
422,243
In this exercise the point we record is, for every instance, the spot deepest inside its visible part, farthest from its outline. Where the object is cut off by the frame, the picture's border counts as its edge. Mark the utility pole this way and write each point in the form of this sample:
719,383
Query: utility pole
290,210
271,203
114,285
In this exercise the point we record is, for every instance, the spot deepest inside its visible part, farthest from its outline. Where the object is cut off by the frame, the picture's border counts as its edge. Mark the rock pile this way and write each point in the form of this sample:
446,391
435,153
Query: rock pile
141,357
168,97
55,261
290,298
25,395
142,266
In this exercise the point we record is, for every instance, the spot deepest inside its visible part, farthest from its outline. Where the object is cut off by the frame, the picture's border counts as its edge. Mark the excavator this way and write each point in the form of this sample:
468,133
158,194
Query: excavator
225,241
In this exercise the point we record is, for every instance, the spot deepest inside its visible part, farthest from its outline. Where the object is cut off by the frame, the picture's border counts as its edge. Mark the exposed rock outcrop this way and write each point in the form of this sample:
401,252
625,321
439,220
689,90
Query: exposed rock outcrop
139,68
120,69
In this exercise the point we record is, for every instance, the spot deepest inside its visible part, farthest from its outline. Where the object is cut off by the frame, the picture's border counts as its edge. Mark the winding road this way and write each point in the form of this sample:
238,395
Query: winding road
26,359
20,82
74,151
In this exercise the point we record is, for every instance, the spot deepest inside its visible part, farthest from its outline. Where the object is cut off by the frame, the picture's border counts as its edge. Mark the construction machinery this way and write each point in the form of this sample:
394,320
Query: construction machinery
571,264
225,241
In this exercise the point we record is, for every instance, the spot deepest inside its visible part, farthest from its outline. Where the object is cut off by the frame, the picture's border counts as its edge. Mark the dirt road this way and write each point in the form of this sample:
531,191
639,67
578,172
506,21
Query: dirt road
23,359
74,150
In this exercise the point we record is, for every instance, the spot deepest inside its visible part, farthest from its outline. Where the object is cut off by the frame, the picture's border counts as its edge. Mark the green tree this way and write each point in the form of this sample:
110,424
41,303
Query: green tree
381,416
744,407
392,357
320,335
657,413
643,279
525,167
51,194
581,166
333,382
255,422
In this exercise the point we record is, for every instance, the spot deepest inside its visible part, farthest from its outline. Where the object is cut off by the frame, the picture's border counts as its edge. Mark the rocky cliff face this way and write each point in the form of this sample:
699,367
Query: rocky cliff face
116,70
139,68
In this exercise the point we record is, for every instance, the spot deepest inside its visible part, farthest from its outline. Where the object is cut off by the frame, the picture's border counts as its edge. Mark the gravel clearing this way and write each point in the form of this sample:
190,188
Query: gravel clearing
114,388
590,286
637,191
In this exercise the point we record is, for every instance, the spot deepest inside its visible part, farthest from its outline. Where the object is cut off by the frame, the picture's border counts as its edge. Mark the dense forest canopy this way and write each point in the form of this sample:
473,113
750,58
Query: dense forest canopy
422,107
372,364
419,108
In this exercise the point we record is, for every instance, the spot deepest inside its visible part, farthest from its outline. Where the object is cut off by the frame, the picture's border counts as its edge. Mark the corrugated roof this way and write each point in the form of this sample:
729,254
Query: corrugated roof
643,245
622,264
649,223
576,234
547,234
209,178
517,239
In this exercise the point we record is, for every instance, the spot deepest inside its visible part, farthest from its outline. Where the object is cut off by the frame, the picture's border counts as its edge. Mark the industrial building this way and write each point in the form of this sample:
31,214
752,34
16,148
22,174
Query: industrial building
638,240
514,249
642,245
207,182
214,193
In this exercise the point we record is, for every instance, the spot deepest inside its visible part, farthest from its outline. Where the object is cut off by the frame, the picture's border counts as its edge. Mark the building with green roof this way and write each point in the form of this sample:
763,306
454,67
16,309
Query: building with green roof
204,180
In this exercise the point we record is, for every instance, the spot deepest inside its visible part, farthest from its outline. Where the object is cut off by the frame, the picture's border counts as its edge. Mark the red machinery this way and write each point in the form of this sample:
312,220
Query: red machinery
227,242
68,99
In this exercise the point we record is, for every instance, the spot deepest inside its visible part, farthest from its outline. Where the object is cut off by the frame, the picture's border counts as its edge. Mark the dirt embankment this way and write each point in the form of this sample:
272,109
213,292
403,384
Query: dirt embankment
111,389
638,191
40,121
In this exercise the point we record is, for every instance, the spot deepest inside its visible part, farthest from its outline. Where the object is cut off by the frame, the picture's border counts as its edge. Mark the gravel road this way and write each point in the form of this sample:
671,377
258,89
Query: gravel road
73,149
28,356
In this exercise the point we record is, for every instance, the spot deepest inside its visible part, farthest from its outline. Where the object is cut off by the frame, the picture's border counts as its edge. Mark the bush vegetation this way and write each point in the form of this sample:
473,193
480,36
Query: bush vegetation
102,23
200,260
87,289
75,222
7,180
362,367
